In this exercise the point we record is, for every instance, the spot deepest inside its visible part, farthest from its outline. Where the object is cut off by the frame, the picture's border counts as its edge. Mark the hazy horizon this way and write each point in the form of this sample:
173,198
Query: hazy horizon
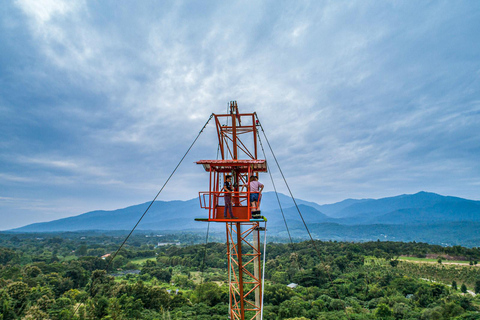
206,212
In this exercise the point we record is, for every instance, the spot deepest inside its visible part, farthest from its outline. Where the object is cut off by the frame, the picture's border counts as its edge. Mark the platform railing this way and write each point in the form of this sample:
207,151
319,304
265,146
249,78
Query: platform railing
211,199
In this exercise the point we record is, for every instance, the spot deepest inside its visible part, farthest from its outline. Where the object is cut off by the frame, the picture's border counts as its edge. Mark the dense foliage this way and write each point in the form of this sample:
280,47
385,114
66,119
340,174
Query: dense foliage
62,276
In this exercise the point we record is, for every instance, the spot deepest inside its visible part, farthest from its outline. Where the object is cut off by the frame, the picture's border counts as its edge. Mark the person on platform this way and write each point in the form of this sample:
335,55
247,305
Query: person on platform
228,189
255,192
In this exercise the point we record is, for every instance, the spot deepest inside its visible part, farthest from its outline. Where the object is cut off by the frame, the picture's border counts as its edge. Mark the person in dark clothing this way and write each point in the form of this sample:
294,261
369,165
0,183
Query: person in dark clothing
228,189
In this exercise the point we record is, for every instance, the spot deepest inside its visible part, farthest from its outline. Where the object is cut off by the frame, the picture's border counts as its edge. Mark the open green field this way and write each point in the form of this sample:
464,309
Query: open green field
68,258
415,259
143,260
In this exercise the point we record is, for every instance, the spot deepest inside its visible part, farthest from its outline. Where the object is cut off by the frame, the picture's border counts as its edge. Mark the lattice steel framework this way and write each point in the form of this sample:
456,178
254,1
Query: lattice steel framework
237,136
244,270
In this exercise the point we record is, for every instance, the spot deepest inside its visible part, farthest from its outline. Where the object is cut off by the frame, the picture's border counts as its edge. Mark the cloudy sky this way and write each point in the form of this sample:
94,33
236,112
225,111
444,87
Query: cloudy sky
99,100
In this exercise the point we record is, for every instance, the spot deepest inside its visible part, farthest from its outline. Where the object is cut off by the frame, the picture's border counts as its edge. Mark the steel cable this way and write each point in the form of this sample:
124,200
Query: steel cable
276,194
151,203
300,214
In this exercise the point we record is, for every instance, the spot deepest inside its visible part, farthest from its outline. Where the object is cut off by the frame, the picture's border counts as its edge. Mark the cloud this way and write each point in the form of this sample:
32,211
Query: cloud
358,99
44,11
65,165
14,178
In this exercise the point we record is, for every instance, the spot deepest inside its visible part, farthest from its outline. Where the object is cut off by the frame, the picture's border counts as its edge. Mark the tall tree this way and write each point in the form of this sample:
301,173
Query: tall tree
477,287
454,285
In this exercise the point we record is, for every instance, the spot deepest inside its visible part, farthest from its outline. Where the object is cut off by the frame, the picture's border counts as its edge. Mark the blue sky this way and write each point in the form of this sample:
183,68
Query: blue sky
360,99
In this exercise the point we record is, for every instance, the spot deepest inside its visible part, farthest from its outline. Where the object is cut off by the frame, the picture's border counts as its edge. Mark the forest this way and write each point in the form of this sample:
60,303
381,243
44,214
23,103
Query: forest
176,276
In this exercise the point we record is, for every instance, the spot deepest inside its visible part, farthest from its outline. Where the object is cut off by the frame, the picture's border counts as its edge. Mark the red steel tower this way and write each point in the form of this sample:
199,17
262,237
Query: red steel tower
237,137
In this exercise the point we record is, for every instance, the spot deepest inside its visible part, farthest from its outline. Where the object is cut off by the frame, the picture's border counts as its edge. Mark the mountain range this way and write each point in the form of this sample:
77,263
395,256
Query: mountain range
423,216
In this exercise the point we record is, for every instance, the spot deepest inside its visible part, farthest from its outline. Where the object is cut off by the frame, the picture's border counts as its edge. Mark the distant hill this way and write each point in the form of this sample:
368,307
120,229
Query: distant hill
163,215
334,210
381,206
309,214
422,207
422,216
439,212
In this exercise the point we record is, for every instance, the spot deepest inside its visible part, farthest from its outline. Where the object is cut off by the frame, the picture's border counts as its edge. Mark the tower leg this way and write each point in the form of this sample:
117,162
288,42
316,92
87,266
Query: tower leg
240,271
244,257
257,271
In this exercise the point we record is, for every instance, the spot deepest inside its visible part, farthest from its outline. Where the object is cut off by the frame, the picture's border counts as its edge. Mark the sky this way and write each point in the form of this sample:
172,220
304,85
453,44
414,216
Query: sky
99,100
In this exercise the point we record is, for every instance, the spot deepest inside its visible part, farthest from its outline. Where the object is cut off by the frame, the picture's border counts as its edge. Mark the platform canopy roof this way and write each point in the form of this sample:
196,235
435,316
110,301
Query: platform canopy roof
229,165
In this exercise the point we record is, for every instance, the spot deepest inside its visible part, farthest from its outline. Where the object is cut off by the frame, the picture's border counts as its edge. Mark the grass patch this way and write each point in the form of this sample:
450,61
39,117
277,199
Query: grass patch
69,258
415,259
370,260
141,261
